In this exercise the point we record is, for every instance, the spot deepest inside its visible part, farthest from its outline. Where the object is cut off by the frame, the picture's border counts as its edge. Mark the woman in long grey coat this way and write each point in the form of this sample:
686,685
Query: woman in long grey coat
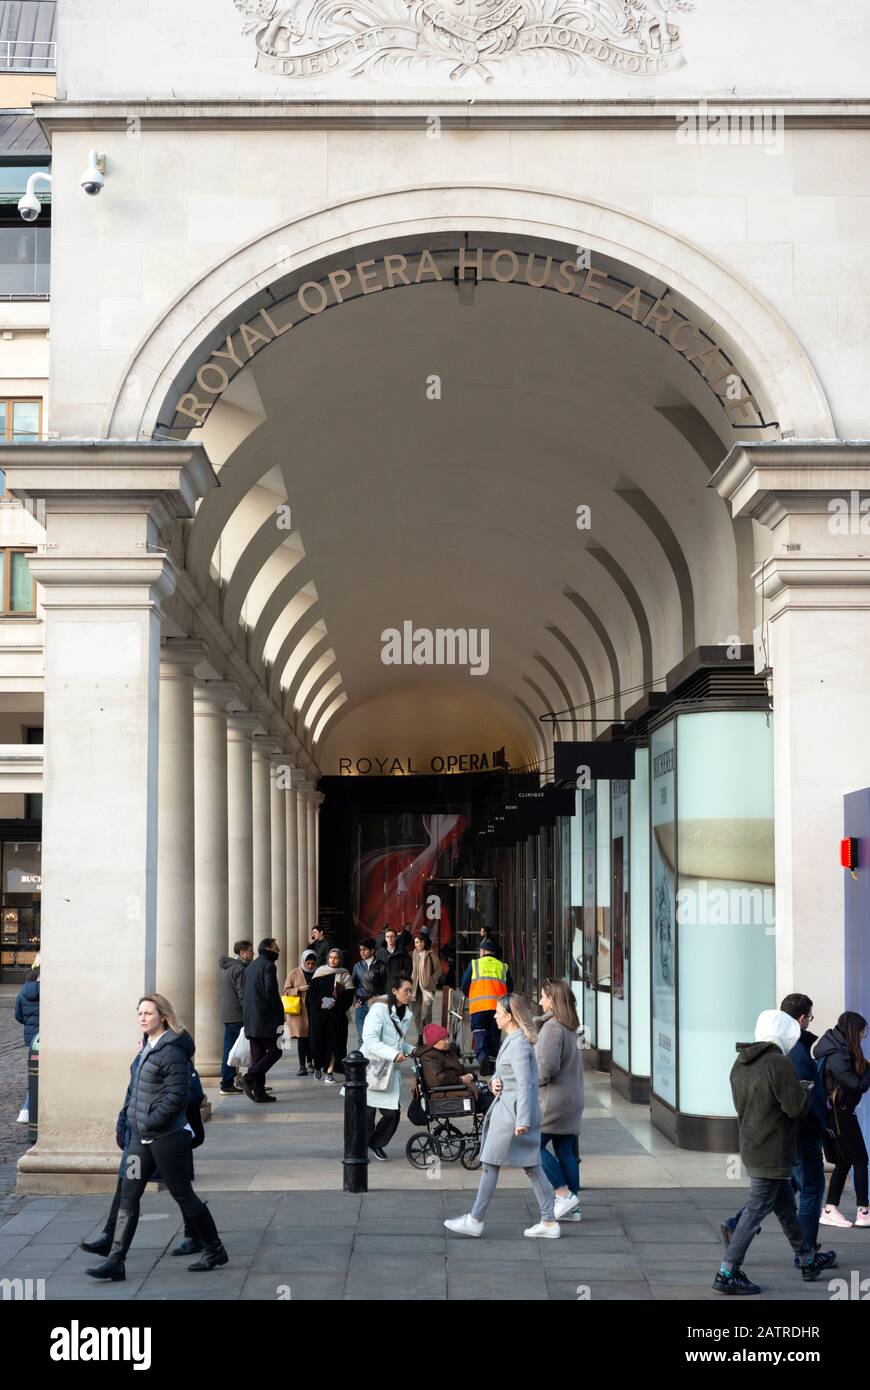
560,1068
512,1128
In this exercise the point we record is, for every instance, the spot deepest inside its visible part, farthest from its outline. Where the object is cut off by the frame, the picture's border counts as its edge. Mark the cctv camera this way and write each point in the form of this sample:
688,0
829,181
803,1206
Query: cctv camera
29,207
92,179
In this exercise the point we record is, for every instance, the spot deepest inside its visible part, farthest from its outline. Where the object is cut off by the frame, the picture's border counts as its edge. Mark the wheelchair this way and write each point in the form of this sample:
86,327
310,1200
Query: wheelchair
443,1138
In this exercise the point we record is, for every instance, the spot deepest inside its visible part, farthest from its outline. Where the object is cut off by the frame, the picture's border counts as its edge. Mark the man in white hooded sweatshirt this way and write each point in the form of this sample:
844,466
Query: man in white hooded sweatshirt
769,1098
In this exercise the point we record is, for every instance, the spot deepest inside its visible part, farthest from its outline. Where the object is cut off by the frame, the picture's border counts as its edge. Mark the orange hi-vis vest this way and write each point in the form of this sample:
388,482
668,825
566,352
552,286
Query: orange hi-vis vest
488,984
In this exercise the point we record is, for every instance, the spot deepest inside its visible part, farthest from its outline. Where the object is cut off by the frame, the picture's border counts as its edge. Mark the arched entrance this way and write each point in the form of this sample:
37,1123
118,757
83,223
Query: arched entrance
524,451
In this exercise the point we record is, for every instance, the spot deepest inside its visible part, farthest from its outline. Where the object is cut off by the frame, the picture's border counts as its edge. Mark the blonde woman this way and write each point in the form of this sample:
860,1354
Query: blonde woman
155,1116
512,1128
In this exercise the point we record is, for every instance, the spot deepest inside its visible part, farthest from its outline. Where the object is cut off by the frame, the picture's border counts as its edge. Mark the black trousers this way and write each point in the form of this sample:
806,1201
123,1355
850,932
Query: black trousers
265,1052
171,1154
848,1151
382,1130
303,1047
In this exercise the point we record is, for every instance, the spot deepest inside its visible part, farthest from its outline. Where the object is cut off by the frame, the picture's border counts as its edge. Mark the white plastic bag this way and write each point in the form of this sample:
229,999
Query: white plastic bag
240,1052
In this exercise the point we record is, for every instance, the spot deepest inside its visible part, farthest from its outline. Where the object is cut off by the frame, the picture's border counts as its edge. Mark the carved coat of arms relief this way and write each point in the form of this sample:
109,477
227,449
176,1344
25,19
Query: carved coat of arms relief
477,40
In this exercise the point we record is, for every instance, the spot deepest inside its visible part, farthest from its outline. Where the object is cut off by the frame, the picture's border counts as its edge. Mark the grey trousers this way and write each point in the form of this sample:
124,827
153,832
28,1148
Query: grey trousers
768,1195
489,1182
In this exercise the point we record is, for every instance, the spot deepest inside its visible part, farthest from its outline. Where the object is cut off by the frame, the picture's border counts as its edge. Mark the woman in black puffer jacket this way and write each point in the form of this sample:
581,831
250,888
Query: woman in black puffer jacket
155,1115
846,1076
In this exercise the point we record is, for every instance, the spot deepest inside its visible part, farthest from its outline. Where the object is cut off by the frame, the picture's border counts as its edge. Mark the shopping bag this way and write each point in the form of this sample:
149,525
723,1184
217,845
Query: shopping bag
240,1052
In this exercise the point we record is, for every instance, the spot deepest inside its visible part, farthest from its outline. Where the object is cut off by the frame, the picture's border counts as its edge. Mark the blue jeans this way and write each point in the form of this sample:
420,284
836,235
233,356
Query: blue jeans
809,1178
563,1170
359,1018
228,1074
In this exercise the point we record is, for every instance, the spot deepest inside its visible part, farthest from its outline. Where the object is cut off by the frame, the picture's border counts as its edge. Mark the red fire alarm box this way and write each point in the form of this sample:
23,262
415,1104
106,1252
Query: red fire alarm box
849,853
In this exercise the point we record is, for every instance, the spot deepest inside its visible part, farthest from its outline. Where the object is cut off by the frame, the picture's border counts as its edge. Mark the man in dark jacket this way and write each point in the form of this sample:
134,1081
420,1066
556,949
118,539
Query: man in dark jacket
809,1170
263,1017
232,985
396,963
321,945
768,1098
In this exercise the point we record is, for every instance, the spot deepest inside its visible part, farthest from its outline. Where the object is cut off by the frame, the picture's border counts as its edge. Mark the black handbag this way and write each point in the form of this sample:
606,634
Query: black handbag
416,1113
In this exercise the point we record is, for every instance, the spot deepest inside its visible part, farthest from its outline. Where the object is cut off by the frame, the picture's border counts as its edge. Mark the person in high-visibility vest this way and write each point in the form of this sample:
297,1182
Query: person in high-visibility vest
486,980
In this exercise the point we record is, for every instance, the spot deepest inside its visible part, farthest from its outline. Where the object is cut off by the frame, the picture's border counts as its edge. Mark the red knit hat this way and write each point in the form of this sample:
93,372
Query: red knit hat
433,1033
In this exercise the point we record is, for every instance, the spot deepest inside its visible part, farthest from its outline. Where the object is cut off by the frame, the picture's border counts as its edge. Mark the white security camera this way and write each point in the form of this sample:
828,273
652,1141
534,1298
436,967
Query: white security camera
29,206
92,179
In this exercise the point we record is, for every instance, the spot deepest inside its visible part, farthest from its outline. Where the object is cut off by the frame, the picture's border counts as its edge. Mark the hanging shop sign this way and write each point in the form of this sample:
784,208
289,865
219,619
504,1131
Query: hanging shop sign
582,763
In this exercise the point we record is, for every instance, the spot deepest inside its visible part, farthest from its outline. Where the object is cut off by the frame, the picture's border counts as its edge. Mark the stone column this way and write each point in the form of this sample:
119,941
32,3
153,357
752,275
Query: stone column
814,639
312,859
304,924
104,580
263,749
175,834
240,833
320,800
210,701
291,859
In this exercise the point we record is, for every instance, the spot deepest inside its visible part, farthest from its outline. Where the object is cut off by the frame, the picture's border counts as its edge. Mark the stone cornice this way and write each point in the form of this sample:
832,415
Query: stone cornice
164,477
468,113
770,480
814,583
104,581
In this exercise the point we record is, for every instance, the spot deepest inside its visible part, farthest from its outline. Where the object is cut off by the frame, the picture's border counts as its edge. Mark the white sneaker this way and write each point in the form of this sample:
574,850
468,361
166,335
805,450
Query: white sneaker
831,1216
24,1117
563,1205
543,1232
863,1217
575,1215
465,1226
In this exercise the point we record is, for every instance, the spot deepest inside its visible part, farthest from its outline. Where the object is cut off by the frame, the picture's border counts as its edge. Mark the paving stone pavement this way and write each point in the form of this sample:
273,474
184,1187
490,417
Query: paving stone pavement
272,1178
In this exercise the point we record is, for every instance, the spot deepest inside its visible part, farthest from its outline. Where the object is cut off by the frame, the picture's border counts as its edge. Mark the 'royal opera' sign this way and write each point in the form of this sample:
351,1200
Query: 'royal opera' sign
394,766
659,314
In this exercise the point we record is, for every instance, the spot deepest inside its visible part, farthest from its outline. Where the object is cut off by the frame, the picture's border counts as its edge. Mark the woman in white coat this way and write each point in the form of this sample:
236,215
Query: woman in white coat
512,1128
387,1022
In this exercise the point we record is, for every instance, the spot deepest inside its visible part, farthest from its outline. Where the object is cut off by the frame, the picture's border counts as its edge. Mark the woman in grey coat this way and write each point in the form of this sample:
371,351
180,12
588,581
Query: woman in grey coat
560,1068
512,1128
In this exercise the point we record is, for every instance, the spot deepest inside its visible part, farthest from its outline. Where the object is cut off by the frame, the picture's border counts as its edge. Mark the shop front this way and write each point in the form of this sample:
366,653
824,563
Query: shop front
21,878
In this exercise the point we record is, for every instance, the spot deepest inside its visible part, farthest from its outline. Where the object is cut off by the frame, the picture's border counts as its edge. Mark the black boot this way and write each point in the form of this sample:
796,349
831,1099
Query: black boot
98,1247
113,1266
206,1230
191,1245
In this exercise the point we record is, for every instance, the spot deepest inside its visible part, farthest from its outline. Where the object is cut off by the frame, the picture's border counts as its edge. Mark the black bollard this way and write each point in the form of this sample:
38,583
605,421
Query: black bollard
356,1128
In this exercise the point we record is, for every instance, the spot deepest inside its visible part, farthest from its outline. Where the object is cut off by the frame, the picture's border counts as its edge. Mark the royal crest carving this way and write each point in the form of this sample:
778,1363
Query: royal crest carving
476,40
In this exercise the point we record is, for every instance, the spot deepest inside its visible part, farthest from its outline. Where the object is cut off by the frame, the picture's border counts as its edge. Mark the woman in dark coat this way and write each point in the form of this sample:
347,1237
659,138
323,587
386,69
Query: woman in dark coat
329,998
27,1014
846,1076
160,1137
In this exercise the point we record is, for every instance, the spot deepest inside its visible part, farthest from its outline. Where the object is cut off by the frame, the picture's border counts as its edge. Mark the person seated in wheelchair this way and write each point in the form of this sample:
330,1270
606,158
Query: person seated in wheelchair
441,1065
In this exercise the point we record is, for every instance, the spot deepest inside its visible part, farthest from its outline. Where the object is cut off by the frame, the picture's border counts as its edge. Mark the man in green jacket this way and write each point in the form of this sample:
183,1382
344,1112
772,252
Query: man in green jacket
769,1098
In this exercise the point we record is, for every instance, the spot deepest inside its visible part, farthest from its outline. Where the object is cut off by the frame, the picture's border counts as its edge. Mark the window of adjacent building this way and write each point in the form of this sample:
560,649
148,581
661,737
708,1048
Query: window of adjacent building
33,800
20,420
17,587
25,247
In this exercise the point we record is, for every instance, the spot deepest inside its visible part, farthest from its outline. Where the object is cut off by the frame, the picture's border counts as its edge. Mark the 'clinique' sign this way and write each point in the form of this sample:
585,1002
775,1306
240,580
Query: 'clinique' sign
404,767
657,314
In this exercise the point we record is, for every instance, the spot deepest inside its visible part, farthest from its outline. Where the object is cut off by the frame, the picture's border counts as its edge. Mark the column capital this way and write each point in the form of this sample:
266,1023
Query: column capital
241,725
281,760
265,746
179,656
769,481
104,581
316,799
807,582
162,478
214,695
